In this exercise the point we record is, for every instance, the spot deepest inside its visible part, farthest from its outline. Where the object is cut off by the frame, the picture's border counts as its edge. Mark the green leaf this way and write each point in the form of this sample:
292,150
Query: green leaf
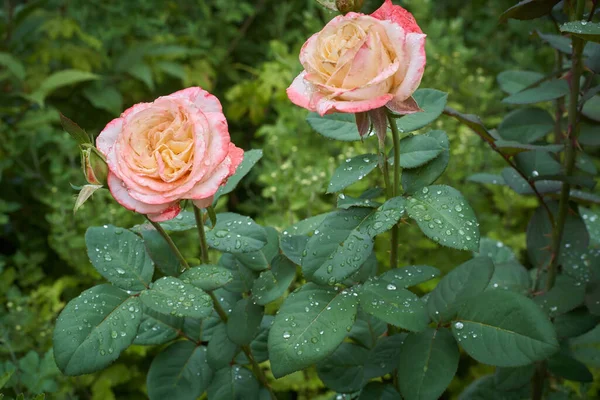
444,215
565,296
236,233
243,277
367,329
585,163
408,276
171,296
394,305
496,250
221,350
565,366
233,382
546,91
510,275
528,9
179,372
294,238
244,321
13,65
486,178
58,80
511,148
344,370
207,277
273,283
367,270
120,256
94,328
343,241
591,108
309,326
261,259
143,73
560,43
536,163
417,150
432,102
416,178
513,378
586,348
76,132
513,82
526,125
473,122
259,345
521,186
335,126
160,252
428,362
592,297
379,391
485,389
352,170
575,323
582,29
183,222
251,157
104,97
5,377
504,329
157,328
345,202
458,287
383,358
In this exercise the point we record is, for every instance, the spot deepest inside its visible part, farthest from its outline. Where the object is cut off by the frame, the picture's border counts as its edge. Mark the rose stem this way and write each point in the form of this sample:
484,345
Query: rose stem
170,242
222,314
397,188
201,234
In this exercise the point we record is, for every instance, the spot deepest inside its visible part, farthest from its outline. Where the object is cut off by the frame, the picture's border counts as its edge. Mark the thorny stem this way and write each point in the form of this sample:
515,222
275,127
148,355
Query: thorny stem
570,149
201,234
170,242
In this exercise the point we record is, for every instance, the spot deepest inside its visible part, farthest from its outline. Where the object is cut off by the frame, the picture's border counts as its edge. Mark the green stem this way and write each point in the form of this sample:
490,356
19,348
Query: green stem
171,244
396,189
570,149
201,235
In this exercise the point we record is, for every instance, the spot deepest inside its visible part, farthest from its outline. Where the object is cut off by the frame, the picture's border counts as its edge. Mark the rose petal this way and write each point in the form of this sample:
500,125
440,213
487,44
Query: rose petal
236,155
200,98
398,15
300,92
204,203
415,53
326,106
107,138
121,195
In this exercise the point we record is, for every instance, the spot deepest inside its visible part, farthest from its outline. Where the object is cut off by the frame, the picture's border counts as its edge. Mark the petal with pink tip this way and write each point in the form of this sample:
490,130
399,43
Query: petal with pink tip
415,54
121,195
300,92
398,15
201,98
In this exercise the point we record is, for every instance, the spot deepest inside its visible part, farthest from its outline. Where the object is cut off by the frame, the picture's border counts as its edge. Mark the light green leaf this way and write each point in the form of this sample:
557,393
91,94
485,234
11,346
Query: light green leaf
417,150
416,178
251,157
179,372
444,215
309,326
236,233
336,126
459,286
352,170
513,82
58,80
207,277
233,382
171,296
483,177
428,362
546,91
183,222
526,125
94,328
432,102
120,256
273,283
105,97
13,65
504,329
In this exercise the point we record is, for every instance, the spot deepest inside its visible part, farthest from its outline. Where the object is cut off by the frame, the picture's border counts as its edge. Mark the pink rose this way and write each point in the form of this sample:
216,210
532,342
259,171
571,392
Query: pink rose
177,147
361,62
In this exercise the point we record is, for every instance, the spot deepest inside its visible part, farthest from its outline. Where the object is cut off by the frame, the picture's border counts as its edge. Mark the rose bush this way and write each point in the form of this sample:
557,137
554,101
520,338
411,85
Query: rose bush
177,147
362,62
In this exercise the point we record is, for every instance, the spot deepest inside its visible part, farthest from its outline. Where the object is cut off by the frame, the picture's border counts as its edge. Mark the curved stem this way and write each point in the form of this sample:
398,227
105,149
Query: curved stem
201,234
570,149
396,189
170,242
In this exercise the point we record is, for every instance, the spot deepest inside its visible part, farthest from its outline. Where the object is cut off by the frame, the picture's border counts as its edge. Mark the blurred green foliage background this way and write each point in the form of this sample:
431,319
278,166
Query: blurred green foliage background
91,59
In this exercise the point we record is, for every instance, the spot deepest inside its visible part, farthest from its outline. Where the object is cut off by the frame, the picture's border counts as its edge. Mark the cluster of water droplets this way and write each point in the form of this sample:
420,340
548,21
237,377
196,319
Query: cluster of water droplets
462,334
177,298
353,169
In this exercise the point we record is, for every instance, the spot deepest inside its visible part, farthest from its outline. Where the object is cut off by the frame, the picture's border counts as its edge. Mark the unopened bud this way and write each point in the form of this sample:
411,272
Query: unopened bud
94,166
346,6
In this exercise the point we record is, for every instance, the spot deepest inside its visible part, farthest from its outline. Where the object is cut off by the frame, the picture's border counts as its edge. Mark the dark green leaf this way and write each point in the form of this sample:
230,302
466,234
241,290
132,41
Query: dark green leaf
344,370
565,366
160,252
251,157
416,178
472,121
244,321
344,202
182,222
485,389
171,296
335,126
428,362
586,348
575,323
513,378
261,259
496,250
528,9
526,125
586,163
233,382
379,391
546,91
80,136
417,150
592,297
483,177
560,43
511,148
221,350
504,329
236,233
444,215
367,329
105,97
243,278
536,163
591,108
309,326
460,285
565,295
352,170
207,277
157,328
582,29
516,182
510,275
432,102
14,66
179,372
513,82
57,80
367,270
408,276
383,358
94,328
120,256
273,283
394,305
